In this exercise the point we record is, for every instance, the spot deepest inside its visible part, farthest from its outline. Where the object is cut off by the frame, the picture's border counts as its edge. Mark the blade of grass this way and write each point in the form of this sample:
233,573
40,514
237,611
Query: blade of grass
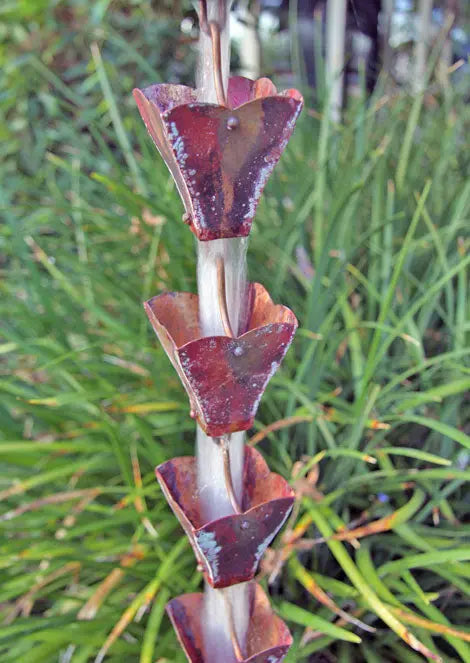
351,570
300,616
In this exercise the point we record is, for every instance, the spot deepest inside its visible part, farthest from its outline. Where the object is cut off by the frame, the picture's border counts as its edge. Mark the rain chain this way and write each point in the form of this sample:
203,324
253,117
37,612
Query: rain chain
220,156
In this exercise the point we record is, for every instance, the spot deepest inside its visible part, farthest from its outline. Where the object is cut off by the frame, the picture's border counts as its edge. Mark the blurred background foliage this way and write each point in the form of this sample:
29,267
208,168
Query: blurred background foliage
362,231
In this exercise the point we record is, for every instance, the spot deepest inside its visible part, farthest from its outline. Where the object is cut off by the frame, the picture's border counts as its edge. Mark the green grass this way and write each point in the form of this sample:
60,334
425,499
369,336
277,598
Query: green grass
377,378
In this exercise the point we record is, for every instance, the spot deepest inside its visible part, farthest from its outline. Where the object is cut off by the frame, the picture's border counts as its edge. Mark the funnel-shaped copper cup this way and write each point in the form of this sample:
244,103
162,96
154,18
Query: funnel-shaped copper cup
228,548
220,156
268,638
224,377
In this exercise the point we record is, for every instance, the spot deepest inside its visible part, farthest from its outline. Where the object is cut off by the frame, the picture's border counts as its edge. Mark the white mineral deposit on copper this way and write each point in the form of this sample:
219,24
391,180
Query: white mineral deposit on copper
219,604
207,543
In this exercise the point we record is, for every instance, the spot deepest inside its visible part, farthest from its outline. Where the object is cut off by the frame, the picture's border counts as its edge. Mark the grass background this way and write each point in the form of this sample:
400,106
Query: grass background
362,231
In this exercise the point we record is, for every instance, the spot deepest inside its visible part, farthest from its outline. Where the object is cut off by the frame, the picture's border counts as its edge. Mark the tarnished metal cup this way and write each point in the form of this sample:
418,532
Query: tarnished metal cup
224,377
268,638
229,548
220,156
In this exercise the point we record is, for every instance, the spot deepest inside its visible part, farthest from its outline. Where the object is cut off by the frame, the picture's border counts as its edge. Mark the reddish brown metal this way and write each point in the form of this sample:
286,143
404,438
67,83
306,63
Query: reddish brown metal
222,297
228,548
224,446
216,56
224,377
220,156
268,638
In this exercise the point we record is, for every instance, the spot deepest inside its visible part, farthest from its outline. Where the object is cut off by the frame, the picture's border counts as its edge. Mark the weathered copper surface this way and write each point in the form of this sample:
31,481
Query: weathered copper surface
220,157
229,548
268,639
224,377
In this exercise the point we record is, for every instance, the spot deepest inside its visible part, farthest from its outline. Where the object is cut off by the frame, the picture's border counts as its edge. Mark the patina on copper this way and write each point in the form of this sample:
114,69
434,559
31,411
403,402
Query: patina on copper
220,156
228,548
268,638
224,377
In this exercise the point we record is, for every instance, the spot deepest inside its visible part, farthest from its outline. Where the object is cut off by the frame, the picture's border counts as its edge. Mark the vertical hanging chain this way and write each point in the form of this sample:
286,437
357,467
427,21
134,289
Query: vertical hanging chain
224,445
222,297
213,29
237,650
217,57
212,20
